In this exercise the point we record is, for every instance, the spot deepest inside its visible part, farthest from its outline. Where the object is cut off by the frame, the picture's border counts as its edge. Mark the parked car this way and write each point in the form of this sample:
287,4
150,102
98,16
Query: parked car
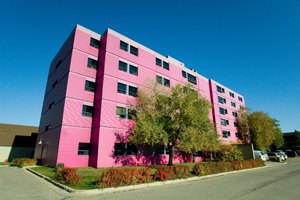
265,154
298,152
274,156
282,155
259,154
291,153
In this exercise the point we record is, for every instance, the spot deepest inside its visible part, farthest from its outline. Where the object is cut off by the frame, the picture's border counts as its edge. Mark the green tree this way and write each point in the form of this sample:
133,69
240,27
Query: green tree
176,117
296,140
279,140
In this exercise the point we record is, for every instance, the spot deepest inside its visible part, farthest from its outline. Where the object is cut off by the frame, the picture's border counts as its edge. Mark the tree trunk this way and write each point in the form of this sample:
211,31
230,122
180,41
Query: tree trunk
170,148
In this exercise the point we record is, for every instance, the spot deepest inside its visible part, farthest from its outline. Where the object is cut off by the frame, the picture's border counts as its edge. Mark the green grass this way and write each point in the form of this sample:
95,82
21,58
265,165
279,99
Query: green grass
2,163
91,175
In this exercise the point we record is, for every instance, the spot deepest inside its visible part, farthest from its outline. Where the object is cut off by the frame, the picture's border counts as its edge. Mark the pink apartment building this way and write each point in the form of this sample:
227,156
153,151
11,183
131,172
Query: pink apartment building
84,120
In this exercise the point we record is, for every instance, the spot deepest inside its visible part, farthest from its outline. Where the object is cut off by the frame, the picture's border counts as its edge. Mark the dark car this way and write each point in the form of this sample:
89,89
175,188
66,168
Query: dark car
298,152
291,153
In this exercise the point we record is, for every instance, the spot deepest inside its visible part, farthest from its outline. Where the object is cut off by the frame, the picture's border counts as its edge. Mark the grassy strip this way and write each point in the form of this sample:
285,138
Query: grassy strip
2,163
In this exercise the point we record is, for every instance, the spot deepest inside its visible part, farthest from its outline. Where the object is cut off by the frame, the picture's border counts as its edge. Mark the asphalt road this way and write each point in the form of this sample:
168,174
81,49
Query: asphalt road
280,181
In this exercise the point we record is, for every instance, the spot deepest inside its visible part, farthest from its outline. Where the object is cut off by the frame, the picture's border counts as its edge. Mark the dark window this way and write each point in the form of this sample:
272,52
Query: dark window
131,114
241,99
223,111
199,154
233,104
162,150
122,88
95,43
158,62
192,79
121,112
184,74
231,94
54,84
234,114
122,66
159,80
133,70
226,134
119,149
132,91
167,82
47,128
87,111
224,122
134,51
84,149
237,135
51,105
219,89
57,65
221,100
131,149
235,124
89,86
93,64
166,65
123,46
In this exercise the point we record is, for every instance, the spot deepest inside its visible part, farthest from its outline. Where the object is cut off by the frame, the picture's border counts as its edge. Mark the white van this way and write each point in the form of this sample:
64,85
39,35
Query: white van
258,154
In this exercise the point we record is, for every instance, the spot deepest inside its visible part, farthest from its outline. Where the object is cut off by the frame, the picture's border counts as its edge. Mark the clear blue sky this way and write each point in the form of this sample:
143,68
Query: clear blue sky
252,47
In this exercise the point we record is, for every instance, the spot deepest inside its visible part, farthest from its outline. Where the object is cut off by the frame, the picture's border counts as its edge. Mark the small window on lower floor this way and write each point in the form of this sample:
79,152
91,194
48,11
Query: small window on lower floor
226,134
84,149
47,128
121,112
87,111
162,150
89,86
199,154
122,149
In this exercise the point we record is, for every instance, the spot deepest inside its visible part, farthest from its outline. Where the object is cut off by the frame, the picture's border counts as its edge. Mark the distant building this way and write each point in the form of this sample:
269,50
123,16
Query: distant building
17,141
84,117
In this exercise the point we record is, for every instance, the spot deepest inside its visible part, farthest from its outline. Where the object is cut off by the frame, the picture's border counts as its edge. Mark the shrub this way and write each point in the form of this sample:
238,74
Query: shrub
68,175
229,153
172,172
124,177
23,162
203,169
59,166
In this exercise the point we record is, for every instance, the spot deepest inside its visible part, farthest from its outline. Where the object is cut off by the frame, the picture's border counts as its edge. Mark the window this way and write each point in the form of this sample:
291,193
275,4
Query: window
93,64
162,81
121,112
54,84
51,105
47,128
134,51
234,114
158,62
57,65
87,111
132,91
84,149
123,46
241,107
199,154
125,113
226,134
192,79
166,65
122,88
94,43
221,90
221,100
237,135
233,104
184,74
231,94
223,111
122,66
89,86
122,149
224,122
133,70
162,150
235,124
241,99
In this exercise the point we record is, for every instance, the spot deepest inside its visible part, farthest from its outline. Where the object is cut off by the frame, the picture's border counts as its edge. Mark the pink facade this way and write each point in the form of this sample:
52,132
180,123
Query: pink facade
79,124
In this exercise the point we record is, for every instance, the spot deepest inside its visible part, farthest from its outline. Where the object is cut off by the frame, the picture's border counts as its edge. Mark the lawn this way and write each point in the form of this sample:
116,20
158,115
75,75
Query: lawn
91,175
2,163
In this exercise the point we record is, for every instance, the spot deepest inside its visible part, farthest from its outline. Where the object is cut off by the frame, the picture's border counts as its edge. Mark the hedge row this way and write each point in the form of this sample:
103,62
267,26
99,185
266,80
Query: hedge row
172,172
23,162
219,167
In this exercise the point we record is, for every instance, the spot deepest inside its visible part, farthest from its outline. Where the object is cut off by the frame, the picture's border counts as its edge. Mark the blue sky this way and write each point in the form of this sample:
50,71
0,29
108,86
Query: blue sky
251,47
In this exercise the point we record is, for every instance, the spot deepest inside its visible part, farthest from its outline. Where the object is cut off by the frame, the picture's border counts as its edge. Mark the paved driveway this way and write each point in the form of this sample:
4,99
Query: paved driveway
281,181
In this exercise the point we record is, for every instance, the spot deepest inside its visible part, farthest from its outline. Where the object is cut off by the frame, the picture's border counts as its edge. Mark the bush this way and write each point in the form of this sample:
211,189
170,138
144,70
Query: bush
23,162
59,166
124,177
172,172
229,153
203,169
68,175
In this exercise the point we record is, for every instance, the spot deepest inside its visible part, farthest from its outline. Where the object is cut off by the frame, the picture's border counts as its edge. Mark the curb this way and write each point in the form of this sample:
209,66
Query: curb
133,187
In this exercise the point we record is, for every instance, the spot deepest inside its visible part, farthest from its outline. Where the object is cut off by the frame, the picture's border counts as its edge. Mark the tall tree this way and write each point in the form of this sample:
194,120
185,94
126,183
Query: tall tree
278,140
176,117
